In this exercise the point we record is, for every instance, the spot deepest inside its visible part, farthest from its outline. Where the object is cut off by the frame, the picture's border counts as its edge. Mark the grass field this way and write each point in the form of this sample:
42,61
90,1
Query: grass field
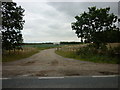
42,46
72,52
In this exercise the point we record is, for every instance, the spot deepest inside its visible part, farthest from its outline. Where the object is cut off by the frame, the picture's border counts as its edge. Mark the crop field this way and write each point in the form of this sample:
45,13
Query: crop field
42,46
72,48
78,46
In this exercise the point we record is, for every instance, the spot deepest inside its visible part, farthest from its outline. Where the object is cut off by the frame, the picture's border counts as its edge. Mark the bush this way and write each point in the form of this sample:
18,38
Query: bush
88,50
115,52
99,55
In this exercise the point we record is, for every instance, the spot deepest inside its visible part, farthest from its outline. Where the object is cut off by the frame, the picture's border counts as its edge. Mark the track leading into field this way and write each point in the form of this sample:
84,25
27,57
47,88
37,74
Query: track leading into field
47,63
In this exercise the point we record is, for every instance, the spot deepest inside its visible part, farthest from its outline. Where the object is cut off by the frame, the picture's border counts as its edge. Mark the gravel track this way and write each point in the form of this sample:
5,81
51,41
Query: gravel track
48,63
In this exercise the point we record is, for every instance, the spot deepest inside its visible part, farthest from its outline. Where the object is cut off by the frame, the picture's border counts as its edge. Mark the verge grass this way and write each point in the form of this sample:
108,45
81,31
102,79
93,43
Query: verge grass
19,54
85,54
95,58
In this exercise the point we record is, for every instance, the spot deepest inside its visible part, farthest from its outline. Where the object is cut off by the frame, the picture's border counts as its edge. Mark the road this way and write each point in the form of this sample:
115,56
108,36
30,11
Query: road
27,73
62,82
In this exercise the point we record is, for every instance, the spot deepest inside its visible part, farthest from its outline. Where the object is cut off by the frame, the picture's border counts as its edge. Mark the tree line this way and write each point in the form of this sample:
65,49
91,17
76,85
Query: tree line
36,43
95,26
70,42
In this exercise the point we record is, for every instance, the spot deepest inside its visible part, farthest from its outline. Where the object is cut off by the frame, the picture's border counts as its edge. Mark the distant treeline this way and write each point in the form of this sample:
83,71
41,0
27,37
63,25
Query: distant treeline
35,43
70,42
51,43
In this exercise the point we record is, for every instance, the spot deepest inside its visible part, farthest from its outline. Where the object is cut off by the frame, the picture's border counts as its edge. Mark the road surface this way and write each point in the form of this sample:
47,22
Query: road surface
62,82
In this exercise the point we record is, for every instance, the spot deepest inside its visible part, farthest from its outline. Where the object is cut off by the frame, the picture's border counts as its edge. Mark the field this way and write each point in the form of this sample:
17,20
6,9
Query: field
42,46
19,54
81,52
28,50
70,51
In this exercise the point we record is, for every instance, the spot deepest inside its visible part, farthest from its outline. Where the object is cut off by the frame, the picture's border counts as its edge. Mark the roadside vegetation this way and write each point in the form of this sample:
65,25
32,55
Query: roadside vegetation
12,24
96,27
108,54
12,40
25,52
18,54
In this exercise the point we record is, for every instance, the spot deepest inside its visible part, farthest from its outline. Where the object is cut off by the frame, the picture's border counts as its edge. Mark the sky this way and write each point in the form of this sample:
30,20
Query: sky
51,21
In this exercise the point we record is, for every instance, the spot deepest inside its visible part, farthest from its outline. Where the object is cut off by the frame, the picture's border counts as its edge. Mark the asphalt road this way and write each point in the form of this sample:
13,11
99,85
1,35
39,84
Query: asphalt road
62,82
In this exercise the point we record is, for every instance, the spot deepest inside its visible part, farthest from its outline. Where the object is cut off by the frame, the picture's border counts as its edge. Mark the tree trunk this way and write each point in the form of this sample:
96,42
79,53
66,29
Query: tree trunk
81,40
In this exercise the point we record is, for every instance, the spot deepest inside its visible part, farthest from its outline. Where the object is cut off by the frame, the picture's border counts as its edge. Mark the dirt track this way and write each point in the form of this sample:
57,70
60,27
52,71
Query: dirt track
47,63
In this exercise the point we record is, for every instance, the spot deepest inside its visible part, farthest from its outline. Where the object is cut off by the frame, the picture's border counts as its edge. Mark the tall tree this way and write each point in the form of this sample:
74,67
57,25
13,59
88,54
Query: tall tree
95,25
12,24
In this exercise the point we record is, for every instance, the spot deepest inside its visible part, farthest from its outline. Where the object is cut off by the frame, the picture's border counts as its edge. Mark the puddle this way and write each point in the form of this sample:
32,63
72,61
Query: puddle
55,62
28,63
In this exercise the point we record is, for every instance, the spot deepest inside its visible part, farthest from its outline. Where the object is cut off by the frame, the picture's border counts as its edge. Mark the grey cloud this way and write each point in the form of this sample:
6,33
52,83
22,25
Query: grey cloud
70,8
52,21
75,8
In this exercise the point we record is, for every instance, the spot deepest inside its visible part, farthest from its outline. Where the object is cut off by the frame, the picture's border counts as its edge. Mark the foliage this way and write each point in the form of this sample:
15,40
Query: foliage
104,54
36,43
92,58
97,26
70,42
12,24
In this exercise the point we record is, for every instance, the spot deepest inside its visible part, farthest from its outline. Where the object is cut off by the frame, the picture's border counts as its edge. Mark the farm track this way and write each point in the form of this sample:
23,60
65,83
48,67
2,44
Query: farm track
48,63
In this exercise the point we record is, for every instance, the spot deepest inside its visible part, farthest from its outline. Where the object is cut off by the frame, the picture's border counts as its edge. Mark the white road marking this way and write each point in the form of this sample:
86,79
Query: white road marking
106,76
4,78
50,77
68,77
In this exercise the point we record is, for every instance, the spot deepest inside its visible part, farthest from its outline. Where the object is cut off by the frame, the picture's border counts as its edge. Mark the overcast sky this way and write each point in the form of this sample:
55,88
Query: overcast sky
51,21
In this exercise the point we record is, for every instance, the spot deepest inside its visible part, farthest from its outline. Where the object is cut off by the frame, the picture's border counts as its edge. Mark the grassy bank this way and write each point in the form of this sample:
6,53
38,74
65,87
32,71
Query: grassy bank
19,54
88,54
95,58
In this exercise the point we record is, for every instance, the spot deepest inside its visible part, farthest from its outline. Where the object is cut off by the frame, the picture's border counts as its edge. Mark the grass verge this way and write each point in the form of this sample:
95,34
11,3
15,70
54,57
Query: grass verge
17,55
92,58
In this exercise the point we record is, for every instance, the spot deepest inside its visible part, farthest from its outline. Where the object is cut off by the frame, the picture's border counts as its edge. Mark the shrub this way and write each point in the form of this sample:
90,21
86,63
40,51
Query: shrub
87,50
102,54
114,52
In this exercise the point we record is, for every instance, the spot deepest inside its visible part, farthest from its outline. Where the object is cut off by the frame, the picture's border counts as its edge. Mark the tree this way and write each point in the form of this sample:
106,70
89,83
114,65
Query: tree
95,25
12,24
